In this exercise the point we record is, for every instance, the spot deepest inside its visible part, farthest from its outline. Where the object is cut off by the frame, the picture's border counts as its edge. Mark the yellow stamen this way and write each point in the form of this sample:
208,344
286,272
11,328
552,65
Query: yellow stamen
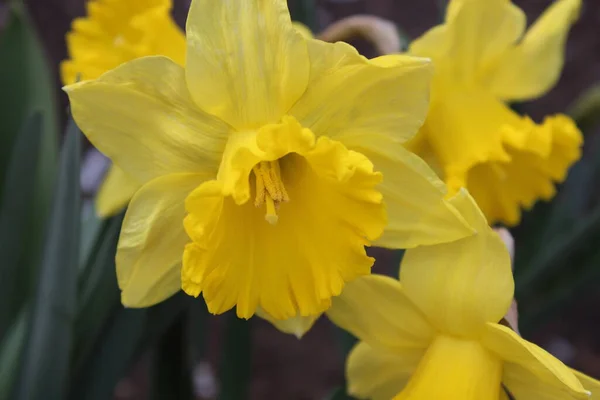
269,188
271,215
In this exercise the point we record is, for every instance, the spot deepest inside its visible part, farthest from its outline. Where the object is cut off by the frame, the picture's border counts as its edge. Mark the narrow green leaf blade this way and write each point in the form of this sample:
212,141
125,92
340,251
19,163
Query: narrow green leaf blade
43,373
27,85
15,216
127,334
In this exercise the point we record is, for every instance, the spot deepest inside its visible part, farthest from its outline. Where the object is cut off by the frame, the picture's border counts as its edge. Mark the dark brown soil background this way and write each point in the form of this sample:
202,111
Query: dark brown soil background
285,368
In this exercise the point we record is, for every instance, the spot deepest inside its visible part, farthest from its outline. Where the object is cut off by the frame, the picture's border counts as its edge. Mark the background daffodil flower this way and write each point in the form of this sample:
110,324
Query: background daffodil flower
435,333
266,163
114,32
471,137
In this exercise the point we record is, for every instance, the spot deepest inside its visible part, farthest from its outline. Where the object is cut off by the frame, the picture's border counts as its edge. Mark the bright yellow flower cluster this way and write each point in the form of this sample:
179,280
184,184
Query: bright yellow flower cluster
259,163
265,162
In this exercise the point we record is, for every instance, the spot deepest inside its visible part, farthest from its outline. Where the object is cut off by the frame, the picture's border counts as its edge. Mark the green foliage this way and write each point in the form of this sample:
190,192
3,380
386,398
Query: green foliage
45,362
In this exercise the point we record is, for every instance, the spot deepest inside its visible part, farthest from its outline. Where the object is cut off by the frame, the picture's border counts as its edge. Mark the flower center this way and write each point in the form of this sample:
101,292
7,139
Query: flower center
269,188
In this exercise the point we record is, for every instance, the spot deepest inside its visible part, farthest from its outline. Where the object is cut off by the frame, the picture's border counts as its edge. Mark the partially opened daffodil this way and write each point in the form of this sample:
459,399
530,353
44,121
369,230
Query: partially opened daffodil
435,334
269,162
472,138
114,32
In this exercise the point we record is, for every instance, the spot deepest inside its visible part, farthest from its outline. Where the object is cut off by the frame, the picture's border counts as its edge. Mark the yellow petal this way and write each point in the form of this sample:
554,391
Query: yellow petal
152,240
455,369
359,101
303,30
506,161
590,384
115,32
418,214
378,374
288,254
529,371
461,285
296,326
532,67
376,310
141,116
475,33
115,193
246,62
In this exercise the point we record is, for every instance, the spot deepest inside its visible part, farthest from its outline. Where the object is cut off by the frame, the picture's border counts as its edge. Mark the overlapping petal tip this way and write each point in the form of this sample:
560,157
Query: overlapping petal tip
297,326
246,62
590,384
375,309
529,371
464,284
152,240
144,139
378,374
359,101
116,191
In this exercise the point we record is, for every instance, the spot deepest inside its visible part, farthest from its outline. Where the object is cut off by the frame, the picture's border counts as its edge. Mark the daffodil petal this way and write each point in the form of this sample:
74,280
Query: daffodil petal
532,67
590,384
388,97
141,116
115,193
375,309
152,240
378,374
296,326
246,62
475,33
452,368
530,372
463,284
418,214
303,30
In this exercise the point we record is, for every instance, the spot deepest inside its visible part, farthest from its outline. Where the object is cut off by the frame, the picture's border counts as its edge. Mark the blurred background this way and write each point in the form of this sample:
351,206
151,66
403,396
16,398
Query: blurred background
175,350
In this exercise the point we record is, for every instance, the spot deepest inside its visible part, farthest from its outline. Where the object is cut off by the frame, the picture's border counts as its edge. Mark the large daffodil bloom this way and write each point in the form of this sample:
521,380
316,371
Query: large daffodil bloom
483,59
266,162
435,333
114,32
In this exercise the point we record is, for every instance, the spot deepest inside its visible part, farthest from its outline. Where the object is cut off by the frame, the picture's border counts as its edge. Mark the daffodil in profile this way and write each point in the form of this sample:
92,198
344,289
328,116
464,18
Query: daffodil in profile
435,334
268,163
114,32
483,59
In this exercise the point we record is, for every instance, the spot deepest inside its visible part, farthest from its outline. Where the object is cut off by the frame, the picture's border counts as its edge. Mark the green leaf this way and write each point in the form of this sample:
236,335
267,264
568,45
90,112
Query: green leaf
127,334
10,353
15,217
27,86
45,366
234,373
98,291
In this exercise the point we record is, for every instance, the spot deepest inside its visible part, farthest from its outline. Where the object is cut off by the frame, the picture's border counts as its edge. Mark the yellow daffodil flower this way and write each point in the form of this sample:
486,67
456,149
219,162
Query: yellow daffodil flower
435,333
266,162
471,137
114,32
